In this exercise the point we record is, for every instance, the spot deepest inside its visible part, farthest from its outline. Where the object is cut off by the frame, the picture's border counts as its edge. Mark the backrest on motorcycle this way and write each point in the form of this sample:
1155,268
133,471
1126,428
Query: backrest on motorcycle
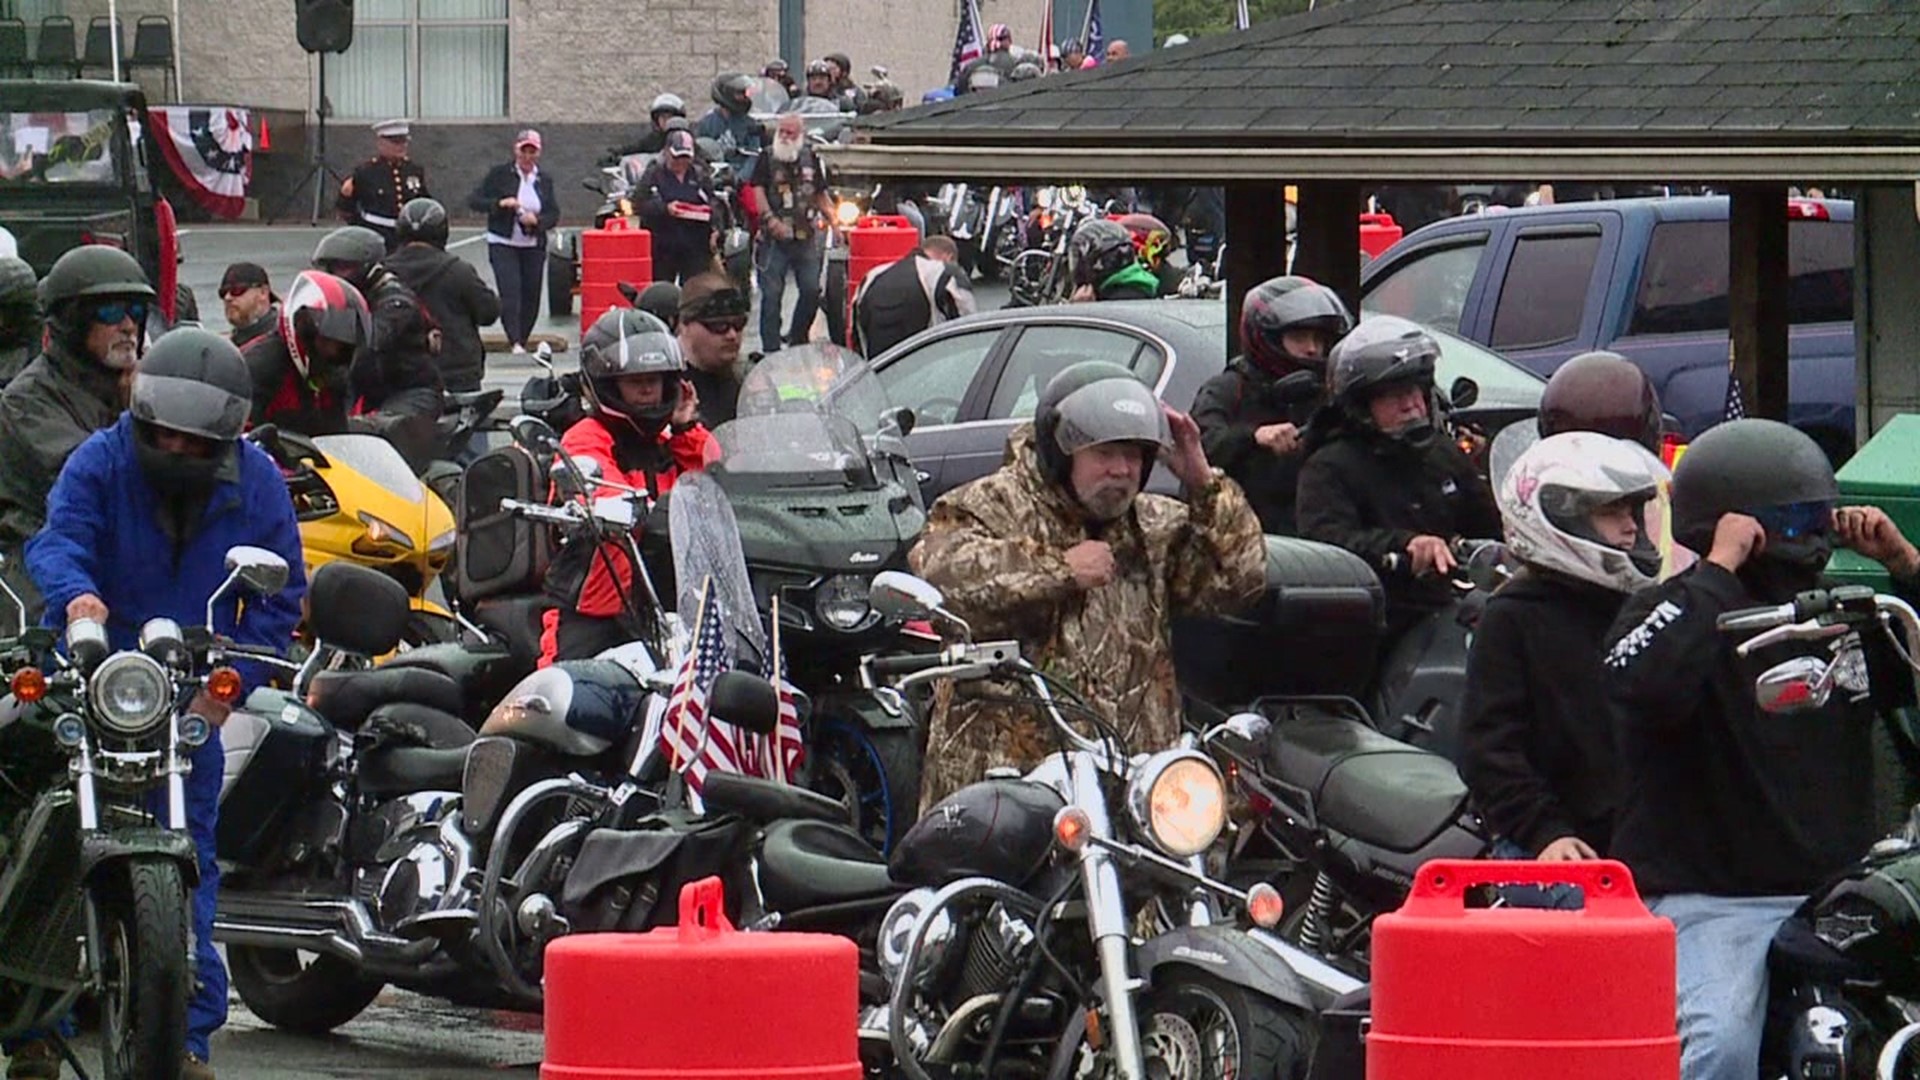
347,698
497,552
357,608
1316,629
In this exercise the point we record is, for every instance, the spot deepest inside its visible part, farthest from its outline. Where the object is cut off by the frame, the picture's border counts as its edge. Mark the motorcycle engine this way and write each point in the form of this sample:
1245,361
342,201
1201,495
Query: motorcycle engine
421,867
996,949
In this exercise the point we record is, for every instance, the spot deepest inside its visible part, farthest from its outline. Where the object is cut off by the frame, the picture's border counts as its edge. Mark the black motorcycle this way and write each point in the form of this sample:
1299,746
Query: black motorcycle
96,865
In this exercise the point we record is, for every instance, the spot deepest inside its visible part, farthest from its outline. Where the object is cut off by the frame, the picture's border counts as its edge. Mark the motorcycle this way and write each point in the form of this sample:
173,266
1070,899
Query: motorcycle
735,244
96,865
816,467
1040,274
1049,934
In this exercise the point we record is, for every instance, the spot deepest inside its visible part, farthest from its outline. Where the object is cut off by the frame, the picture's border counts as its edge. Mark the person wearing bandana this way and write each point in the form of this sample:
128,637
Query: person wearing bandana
790,190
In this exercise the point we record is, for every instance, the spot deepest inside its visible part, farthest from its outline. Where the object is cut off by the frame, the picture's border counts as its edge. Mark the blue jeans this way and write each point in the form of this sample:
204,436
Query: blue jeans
1552,897
775,259
1722,957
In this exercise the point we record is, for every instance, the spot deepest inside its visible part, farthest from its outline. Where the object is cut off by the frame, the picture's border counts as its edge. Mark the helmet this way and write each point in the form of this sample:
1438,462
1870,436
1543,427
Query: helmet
733,92
93,270
886,95
1151,238
1604,392
320,305
1762,468
194,381
1072,45
1095,402
1175,39
18,283
1290,303
1024,70
677,123
840,60
818,67
667,103
628,342
1099,249
999,32
349,252
662,301
984,76
775,68
422,220
1380,352
1548,498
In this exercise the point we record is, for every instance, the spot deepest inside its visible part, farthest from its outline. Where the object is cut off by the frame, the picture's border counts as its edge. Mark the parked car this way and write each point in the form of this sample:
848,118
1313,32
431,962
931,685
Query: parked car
970,381
1647,278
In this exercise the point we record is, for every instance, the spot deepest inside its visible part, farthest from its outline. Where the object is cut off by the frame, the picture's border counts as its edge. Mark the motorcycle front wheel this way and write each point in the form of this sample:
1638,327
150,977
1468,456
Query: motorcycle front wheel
1196,1027
145,979
293,993
874,774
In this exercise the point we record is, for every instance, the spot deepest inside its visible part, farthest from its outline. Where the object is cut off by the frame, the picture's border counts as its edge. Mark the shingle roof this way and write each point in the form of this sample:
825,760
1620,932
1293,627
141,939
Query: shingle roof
1596,73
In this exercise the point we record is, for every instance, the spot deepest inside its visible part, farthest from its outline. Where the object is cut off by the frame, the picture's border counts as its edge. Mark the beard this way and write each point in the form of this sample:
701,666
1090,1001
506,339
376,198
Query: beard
122,354
786,149
1109,500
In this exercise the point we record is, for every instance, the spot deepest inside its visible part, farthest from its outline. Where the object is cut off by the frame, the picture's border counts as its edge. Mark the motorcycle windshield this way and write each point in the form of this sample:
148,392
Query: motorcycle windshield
706,549
803,419
374,458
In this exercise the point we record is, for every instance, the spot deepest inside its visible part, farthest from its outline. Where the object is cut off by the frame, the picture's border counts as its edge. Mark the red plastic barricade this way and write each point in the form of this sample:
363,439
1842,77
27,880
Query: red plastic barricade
1517,994
609,256
875,241
1378,232
699,1000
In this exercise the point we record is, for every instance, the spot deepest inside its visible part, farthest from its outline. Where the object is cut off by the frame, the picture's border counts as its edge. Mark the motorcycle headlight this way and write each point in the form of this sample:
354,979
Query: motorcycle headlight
130,694
841,602
381,531
1179,801
846,213
443,542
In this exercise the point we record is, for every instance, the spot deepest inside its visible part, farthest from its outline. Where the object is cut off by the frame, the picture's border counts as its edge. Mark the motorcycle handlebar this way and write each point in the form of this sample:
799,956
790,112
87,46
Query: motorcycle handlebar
906,665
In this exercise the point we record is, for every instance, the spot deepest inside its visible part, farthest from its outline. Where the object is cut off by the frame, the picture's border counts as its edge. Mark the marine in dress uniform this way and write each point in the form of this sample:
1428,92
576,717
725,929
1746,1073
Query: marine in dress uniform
380,186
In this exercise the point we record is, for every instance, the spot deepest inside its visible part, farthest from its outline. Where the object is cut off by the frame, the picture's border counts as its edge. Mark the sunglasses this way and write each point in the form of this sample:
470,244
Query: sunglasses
119,311
724,326
1795,520
232,291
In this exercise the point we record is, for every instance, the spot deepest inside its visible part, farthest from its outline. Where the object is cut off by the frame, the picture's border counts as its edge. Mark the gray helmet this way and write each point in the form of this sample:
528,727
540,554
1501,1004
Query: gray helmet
1095,402
424,221
354,245
1024,70
93,270
661,300
193,381
667,103
628,342
1762,468
1382,351
1098,250
18,283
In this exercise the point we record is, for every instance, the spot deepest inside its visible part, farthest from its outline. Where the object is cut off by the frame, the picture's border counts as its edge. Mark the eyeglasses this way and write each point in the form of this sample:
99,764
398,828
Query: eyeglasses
724,326
119,311
1795,520
232,291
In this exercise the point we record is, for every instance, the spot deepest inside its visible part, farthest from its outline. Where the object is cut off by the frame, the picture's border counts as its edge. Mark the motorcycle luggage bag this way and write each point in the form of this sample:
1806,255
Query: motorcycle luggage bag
277,754
499,553
621,875
1365,785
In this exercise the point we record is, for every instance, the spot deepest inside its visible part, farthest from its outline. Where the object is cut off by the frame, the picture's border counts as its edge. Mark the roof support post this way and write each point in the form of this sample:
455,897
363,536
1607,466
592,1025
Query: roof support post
1327,248
1757,300
1256,244
1886,320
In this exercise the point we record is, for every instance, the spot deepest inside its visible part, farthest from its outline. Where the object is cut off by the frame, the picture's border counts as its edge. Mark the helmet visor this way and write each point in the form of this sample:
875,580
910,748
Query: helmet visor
188,405
1110,411
1795,521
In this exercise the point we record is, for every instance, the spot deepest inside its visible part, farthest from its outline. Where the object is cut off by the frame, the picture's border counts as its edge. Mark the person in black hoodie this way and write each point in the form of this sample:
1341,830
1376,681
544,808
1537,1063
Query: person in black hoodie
674,198
1536,747
451,289
1249,424
1731,815
1381,482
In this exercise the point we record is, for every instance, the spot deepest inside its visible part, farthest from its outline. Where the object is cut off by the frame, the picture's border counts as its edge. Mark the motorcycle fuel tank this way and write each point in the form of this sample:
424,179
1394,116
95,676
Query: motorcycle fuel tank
579,708
1002,829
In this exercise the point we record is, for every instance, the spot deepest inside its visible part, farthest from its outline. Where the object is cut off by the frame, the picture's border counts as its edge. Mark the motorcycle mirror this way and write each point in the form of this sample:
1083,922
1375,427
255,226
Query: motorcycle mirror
19,605
1801,684
1463,393
1301,386
898,421
898,595
628,290
1250,727
595,184
746,701
258,569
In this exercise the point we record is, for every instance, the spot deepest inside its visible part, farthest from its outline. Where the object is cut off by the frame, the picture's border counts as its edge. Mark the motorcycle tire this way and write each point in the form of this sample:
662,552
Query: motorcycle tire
875,774
146,978
1263,1038
559,286
307,1000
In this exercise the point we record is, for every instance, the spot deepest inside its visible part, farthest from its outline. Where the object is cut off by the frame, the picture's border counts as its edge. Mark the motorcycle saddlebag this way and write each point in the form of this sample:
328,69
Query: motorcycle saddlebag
629,880
498,552
277,754
1864,925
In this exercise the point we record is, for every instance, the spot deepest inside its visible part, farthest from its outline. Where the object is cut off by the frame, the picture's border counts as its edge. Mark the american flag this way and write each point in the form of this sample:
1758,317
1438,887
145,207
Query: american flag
1091,34
695,746
1047,59
778,757
1736,402
1241,18
967,45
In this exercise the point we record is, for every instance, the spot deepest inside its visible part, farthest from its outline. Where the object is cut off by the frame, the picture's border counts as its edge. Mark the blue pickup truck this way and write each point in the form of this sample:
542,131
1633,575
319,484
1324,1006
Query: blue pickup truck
1646,278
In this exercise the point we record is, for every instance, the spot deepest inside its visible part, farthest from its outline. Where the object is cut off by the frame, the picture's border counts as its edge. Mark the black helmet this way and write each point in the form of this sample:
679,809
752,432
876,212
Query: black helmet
320,305
1765,469
349,252
1290,303
1384,351
1099,249
628,342
1604,392
818,67
424,221
1090,403
775,68
671,104
193,381
662,301
733,92
93,270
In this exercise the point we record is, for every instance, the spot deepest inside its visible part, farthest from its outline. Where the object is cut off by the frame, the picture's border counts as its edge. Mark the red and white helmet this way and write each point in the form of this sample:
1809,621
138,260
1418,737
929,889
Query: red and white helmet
1548,497
324,306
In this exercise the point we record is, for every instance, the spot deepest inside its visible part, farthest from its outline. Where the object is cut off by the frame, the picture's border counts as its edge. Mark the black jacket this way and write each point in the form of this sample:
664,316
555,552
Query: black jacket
1229,408
459,301
719,394
1717,796
658,187
1372,495
503,182
311,406
898,301
1536,746
47,411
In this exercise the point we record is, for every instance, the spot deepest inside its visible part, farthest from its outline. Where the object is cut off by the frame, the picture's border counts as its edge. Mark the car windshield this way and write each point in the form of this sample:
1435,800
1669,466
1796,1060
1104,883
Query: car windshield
58,147
802,419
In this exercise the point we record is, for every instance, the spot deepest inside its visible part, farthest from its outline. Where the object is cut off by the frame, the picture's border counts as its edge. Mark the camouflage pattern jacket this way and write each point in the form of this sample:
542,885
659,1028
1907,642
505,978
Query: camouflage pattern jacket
997,549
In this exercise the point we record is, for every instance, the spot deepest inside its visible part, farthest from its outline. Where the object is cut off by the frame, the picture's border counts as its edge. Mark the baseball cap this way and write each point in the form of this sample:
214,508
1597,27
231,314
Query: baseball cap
242,275
529,137
680,143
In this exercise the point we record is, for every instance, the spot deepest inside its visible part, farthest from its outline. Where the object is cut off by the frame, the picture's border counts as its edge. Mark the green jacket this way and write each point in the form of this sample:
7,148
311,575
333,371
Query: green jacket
1135,282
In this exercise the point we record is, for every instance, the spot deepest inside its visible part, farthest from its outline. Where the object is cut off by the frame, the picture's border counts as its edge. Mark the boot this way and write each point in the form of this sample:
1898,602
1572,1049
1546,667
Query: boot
195,1069
36,1060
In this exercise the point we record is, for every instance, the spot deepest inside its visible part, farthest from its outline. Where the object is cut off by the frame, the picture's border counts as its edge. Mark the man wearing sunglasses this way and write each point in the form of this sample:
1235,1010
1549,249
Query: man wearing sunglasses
252,308
713,318
96,300
1731,815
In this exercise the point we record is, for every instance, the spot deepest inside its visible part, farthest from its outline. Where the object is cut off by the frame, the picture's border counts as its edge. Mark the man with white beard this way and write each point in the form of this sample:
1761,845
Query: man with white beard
96,300
790,192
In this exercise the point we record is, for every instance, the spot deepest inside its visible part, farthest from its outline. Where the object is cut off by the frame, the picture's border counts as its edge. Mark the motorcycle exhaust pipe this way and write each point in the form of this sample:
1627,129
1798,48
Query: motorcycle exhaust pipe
325,942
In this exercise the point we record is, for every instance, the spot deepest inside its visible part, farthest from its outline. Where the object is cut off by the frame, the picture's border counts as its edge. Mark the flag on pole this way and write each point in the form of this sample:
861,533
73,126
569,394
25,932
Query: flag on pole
1092,35
696,744
1048,59
789,743
1736,402
967,43
1241,18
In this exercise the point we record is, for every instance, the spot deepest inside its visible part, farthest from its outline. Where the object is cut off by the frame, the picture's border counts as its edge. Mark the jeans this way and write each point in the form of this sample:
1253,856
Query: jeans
1553,897
518,273
775,258
1722,961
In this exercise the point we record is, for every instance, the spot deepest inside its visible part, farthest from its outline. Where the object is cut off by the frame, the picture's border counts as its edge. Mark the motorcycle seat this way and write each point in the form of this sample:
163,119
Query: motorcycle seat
1366,785
811,864
401,770
347,698
460,399
765,801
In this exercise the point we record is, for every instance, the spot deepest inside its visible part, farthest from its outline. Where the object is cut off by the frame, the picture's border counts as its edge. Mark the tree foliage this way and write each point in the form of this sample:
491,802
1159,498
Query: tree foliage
1197,18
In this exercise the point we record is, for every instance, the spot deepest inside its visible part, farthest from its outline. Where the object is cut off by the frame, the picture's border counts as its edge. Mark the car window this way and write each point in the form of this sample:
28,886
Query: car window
1683,288
1545,292
1043,351
1431,288
932,380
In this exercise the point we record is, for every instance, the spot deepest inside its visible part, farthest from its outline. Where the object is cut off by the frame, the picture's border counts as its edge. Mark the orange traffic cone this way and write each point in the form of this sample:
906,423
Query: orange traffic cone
266,135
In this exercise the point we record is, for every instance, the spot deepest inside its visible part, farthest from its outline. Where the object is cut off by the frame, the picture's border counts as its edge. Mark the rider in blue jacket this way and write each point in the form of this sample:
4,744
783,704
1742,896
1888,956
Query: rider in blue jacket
138,526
